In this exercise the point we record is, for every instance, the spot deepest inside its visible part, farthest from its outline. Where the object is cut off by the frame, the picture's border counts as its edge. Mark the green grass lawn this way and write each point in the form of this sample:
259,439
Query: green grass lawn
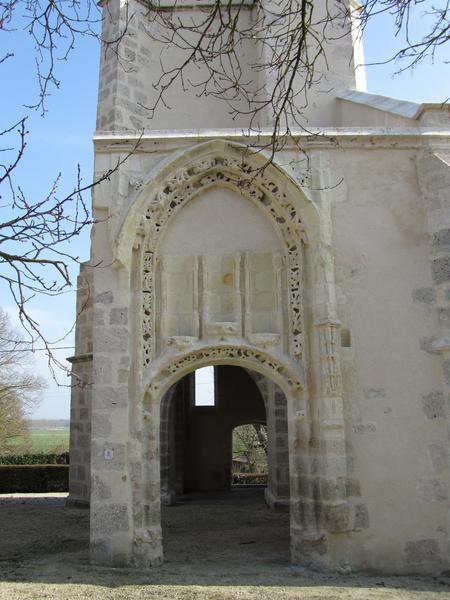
51,440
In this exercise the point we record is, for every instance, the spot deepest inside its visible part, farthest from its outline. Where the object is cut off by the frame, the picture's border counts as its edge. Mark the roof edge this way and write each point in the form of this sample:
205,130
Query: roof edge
401,108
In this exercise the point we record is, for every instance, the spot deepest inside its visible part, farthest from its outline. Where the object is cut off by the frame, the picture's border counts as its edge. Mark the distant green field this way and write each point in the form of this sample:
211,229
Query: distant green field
44,440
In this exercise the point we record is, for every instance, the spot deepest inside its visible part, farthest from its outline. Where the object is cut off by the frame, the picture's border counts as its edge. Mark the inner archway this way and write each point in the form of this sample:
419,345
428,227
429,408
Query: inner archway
196,456
196,433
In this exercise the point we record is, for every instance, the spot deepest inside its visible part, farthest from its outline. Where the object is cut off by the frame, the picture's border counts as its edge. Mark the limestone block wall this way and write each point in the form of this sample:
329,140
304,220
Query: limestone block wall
172,442
396,422
130,74
81,397
371,350
277,491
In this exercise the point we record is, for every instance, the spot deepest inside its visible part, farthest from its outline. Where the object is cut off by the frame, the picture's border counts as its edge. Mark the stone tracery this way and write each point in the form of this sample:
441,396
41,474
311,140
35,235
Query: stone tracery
221,354
255,185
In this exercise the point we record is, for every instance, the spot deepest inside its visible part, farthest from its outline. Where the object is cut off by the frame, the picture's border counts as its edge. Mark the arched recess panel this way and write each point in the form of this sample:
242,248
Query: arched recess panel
266,194
220,271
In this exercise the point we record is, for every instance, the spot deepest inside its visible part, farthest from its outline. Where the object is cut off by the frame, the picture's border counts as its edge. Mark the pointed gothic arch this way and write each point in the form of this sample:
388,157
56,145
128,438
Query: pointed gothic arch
173,183
176,180
148,546
305,237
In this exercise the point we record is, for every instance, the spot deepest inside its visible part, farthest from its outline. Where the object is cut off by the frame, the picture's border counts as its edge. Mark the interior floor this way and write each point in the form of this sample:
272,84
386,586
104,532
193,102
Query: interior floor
230,532
234,526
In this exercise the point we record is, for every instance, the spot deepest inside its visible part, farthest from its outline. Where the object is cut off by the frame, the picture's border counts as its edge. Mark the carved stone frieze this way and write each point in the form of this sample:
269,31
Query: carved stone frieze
188,181
147,306
249,357
295,282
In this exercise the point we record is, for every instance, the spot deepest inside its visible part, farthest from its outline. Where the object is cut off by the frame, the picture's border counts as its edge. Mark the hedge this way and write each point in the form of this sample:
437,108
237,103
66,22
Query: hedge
33,478
35,459
249,479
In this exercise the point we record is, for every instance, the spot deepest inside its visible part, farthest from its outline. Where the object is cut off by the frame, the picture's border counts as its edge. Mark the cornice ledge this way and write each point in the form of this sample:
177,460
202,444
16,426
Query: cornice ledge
78,358
314,138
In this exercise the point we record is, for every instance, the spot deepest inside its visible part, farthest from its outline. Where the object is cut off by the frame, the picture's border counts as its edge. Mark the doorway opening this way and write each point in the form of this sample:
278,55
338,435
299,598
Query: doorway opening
249,463
213,420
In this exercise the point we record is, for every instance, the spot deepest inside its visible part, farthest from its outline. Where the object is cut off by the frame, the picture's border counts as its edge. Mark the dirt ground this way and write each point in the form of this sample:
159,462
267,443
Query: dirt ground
225,554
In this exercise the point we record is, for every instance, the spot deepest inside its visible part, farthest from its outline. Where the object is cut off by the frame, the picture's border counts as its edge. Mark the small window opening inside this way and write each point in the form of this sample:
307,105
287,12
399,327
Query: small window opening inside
204,387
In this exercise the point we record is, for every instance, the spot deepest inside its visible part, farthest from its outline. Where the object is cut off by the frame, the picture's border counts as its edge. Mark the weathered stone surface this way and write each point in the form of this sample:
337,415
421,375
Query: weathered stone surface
424,294
422,551
441,269
372,393
353,487
101,425
100,490
446,370
426,343
439,457
433,405
100,551
108,397
432,490
364,427
112,340
361,517
337,517
441,241
332,490
104,298
108,457
109,519
118,316
444,317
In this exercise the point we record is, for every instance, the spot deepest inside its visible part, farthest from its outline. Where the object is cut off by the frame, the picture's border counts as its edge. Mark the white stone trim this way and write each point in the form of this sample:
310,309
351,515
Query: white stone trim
401,108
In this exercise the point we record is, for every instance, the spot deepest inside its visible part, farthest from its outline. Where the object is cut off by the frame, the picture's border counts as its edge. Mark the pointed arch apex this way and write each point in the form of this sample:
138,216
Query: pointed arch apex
180,177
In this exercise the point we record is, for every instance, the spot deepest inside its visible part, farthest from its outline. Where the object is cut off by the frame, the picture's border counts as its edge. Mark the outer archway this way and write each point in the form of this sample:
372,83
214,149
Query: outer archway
147,542
304,350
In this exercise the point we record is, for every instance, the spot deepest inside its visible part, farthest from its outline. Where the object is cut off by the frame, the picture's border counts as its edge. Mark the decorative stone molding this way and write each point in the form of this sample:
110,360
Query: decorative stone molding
278,355
295,279
165,374
181,342
255,184
330,372
147,307
222,330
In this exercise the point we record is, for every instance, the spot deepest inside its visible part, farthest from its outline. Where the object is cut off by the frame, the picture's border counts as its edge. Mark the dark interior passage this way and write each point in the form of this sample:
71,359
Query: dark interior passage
196,440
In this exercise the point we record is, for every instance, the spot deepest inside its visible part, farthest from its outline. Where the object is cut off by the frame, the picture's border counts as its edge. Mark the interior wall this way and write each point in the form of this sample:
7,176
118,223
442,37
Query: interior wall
208,430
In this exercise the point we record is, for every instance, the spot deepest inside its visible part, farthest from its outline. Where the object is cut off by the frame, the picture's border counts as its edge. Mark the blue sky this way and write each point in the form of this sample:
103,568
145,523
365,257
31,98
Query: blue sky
61,139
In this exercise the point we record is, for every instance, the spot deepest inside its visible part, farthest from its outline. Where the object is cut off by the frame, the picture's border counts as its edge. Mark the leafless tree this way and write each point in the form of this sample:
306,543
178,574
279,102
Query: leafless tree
250,444
292,37
35,232
34,236
435,28
19,388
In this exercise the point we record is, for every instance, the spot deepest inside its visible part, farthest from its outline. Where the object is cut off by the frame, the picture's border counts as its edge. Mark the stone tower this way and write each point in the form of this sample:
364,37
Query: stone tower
317,284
